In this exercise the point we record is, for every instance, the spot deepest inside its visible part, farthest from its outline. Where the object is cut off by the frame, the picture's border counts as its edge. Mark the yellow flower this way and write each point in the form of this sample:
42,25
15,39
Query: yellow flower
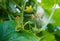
28,9
17,18
18,27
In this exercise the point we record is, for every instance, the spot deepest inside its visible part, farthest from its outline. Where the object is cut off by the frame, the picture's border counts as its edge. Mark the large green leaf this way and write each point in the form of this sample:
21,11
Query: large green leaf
48,36
58,2
8,33
48,3
56,17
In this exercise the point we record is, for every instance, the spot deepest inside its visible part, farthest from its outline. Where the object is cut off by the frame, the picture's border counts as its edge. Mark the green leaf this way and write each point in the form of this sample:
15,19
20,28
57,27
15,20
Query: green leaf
58,2
48,36
50,28
12,7
58,32
4,3
19,2
48,11
48,3
56,17
0,0
8,33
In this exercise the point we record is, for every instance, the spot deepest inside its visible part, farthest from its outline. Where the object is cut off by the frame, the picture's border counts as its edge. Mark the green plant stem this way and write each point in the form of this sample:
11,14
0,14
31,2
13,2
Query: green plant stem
22,9
23,15
36,4
9,17
26,23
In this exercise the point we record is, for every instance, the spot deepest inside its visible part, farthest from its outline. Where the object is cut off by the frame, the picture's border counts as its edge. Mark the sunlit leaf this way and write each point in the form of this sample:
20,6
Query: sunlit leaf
48,36
58,2
48,3
56,17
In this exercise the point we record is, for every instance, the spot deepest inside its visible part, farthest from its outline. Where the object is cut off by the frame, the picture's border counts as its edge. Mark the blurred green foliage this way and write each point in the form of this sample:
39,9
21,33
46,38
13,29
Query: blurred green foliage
18,21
